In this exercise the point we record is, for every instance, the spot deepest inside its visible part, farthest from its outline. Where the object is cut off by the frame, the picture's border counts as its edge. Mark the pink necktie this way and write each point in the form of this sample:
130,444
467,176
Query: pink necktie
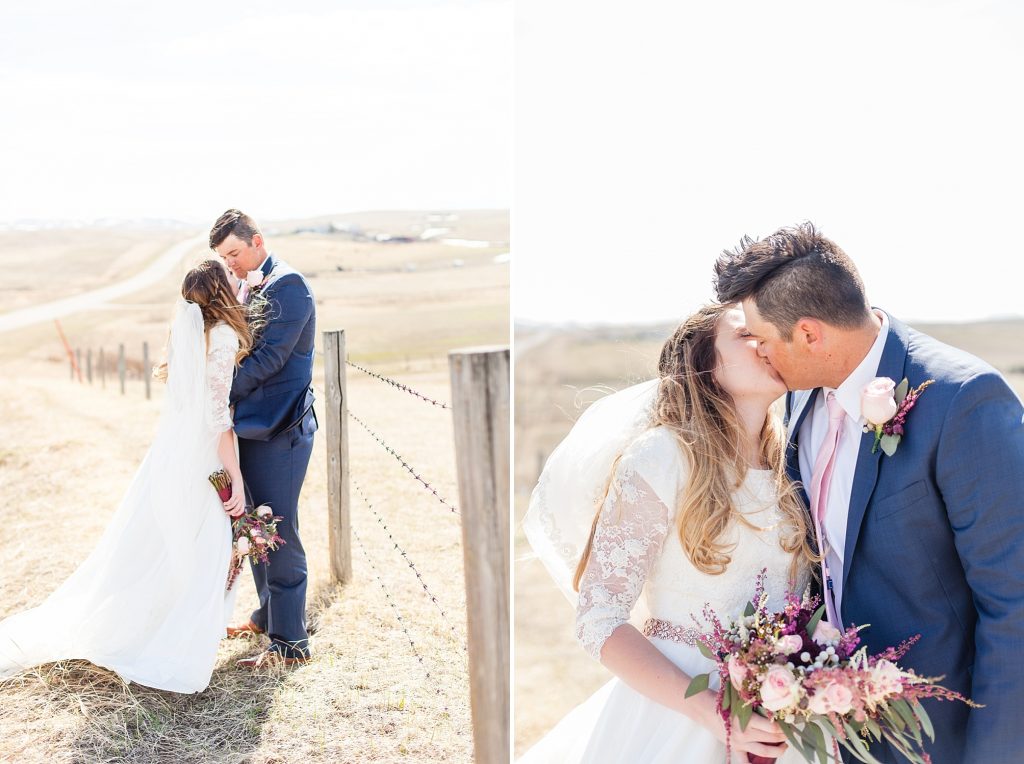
243,293
819,496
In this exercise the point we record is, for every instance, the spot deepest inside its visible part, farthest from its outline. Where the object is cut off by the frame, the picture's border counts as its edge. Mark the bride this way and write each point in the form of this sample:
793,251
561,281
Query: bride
149,602
688,474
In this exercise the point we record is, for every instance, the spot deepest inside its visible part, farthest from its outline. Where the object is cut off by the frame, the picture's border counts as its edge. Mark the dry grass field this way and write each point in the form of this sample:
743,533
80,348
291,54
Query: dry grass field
558,372
389,678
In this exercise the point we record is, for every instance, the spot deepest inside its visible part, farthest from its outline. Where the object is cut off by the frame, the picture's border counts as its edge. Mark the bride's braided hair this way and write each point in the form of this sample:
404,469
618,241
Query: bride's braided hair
703,418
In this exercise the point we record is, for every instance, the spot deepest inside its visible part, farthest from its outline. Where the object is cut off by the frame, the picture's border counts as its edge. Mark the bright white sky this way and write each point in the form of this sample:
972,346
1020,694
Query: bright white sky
651,135
285,109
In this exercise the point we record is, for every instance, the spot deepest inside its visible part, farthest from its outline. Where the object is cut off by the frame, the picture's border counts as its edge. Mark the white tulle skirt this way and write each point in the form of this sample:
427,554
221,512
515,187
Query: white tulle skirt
618,725
149,602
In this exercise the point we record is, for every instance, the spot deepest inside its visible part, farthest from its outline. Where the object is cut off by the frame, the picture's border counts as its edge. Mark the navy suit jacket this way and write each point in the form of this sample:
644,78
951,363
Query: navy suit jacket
273,387
935,543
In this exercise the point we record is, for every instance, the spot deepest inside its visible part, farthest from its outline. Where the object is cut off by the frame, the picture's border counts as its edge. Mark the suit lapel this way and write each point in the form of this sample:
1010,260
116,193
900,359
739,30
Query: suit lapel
865,477
800,404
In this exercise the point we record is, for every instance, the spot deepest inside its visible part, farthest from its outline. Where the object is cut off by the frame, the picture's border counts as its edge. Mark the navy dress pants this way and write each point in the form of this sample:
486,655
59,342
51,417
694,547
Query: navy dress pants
273,471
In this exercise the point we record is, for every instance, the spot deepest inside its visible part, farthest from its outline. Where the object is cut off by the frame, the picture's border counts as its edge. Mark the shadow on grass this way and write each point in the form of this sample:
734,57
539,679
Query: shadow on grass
74,708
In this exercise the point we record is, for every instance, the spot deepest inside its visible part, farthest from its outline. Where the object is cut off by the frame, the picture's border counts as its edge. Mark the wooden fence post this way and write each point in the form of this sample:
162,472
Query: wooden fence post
120,365
103,370
480,409
339,523
88,365
146,373
78,362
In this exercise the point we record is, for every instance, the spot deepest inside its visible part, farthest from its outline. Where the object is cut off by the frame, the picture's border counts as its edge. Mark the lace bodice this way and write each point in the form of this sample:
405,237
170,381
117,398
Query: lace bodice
637,552
220,369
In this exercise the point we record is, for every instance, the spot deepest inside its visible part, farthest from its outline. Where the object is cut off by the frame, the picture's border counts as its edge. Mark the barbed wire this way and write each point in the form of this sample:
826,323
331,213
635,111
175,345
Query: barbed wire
398,615
395,383
404,463
412,566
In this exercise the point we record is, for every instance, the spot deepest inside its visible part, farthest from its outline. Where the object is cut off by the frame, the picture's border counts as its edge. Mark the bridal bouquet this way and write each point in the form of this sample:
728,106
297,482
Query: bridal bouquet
816,683
254,532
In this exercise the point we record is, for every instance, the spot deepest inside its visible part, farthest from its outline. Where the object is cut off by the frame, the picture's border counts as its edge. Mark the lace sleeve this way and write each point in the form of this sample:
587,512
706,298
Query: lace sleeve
220,368
631,528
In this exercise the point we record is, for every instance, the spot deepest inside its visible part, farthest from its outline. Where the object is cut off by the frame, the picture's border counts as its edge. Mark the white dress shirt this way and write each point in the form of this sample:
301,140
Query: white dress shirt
812,433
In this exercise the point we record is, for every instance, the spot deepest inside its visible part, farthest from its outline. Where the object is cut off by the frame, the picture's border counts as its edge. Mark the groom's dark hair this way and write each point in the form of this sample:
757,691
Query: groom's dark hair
233,222
794,273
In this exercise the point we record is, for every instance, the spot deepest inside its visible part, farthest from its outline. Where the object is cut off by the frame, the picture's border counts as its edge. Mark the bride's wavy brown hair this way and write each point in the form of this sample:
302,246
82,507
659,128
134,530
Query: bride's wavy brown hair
702,415
208,286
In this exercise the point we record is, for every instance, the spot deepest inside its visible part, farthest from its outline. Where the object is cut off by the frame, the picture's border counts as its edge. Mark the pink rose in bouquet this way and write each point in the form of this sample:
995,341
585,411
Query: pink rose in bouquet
779,689
737,671
788,644
825,633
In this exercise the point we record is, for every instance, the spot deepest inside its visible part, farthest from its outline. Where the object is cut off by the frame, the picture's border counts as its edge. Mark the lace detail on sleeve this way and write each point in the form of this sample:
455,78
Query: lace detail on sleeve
220,369
631,530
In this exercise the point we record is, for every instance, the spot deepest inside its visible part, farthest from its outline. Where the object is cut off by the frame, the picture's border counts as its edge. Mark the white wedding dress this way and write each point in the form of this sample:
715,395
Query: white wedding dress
638,570
149,602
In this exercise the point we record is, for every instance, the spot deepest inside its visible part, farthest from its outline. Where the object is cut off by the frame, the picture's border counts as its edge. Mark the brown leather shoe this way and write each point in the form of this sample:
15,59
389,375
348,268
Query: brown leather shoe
269,658
250,629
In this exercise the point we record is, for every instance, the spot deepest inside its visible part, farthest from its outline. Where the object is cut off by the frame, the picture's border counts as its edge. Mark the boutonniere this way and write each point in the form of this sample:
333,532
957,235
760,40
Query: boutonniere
885,406
255,279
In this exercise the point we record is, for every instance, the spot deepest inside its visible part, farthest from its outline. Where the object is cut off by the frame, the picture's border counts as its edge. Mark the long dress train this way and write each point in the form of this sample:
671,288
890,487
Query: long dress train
149,601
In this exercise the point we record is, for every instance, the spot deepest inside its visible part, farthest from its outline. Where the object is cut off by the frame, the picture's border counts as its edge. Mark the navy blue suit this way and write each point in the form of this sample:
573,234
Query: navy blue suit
272,393
935,543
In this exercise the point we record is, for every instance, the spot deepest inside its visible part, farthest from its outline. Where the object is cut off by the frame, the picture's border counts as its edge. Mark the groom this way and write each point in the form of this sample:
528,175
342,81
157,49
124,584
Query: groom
272,395
928,540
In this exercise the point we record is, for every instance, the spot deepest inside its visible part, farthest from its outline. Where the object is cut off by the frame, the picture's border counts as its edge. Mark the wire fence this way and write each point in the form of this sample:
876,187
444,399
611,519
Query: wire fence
399,386
409,468
458,638
397,612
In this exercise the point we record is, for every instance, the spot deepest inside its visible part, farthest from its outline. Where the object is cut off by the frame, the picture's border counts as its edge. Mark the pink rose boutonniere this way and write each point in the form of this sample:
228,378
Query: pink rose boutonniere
885,406
255,279
253,282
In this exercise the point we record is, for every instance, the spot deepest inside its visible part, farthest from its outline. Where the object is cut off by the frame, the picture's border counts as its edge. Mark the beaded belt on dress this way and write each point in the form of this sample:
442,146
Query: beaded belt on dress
655,627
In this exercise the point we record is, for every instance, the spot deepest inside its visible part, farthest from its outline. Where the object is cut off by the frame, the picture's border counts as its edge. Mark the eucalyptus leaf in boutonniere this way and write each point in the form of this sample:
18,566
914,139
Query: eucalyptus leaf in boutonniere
885,406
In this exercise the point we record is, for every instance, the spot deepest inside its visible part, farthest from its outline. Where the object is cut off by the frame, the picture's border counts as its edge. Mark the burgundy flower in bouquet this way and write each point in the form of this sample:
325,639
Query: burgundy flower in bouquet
816,682
222,483
254,533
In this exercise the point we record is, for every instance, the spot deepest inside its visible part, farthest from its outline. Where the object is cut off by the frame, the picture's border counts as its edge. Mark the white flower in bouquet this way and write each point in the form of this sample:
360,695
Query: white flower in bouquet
887,679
